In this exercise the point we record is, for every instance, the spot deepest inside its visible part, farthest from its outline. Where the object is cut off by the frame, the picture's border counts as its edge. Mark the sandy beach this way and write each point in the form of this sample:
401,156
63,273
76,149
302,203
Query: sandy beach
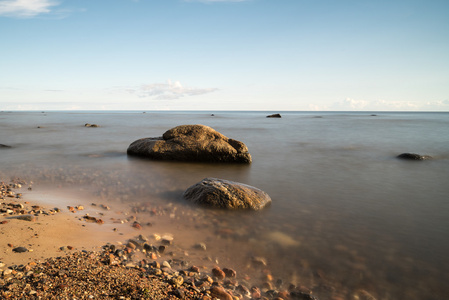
51,252
46,231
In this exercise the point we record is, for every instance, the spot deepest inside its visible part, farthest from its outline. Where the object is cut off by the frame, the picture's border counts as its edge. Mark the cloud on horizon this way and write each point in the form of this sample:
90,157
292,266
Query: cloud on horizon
168,91
26,8
383,105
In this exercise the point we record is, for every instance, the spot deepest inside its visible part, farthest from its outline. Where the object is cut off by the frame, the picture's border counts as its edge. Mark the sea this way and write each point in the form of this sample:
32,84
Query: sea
348,219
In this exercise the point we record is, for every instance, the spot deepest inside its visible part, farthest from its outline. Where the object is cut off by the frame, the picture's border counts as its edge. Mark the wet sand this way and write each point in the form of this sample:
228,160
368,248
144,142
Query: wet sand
49,231
49,251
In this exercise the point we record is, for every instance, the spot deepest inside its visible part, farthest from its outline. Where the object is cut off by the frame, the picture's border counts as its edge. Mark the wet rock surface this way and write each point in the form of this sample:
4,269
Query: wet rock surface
191,143
219,193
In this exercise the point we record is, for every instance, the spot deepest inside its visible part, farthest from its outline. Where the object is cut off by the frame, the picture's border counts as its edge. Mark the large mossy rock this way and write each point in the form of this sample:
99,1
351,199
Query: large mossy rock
219,193
191,143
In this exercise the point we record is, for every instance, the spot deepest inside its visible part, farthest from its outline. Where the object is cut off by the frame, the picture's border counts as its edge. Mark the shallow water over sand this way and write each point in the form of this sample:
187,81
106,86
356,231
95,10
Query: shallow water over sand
347,216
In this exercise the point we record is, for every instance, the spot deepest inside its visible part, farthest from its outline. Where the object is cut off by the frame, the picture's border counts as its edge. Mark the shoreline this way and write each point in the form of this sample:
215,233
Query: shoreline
45,231
37,239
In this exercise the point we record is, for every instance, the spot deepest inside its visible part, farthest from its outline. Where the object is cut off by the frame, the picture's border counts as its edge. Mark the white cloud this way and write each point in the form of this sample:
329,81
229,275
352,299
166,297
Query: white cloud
360,104
350,104
26,8
168,91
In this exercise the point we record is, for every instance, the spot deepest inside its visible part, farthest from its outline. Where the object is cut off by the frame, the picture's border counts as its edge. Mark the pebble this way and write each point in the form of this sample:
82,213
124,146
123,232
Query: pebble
243,290
283,295
132,244
167,240
217,272
230,273
20,250
7,272
165,264
194,269
255,292
220,293
177,281
137,225
142,238
27,218
259,261
200,246
161,249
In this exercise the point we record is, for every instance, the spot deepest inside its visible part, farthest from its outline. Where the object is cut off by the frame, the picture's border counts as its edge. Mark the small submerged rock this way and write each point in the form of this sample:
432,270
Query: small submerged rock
227,194
91,125
282,239
274,116
413,156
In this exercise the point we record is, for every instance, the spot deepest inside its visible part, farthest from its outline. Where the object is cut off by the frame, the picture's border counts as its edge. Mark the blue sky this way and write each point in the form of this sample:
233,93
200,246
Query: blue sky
224,55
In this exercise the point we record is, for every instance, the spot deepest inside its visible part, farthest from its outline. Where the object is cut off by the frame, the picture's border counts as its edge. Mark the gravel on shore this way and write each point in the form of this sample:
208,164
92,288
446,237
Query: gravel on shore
110,274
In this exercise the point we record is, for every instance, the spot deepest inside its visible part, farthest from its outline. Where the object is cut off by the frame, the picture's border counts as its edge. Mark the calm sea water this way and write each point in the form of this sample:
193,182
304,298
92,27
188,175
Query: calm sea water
348,219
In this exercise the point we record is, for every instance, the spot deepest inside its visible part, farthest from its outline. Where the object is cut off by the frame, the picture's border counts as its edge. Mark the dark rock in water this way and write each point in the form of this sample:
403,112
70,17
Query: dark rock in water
20,249
221,193
413,156
4,146
274,116
191,143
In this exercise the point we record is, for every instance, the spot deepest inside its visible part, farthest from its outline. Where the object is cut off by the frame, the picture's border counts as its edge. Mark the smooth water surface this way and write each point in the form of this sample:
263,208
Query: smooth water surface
348,218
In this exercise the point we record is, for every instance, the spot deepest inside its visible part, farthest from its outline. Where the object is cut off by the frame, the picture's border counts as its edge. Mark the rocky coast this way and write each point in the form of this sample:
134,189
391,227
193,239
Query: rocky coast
92,251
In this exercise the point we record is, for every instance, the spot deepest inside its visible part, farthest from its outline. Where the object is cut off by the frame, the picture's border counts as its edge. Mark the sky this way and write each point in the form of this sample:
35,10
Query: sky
273,55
